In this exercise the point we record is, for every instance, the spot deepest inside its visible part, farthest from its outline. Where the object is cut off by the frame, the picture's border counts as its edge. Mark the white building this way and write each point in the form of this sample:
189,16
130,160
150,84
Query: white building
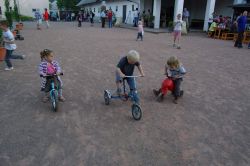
26,7
122,8
200,10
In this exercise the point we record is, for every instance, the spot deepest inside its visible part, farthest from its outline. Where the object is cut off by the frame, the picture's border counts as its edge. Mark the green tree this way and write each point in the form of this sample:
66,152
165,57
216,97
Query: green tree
8,13
16,12
67,4
60,4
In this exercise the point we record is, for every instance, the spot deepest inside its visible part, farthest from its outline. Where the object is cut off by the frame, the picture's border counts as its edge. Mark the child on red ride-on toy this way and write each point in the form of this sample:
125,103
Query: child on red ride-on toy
174,72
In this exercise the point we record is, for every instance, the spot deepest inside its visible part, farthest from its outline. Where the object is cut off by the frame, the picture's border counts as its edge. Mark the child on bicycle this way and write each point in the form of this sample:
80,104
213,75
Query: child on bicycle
125,67
48,66
174,71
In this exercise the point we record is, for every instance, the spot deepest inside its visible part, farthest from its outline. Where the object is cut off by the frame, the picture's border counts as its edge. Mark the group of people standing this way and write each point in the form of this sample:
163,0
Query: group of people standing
107,14
85,16
236,26
39,17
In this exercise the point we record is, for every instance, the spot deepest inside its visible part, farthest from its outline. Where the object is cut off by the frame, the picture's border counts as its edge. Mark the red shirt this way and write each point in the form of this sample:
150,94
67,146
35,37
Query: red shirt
46,16
109,15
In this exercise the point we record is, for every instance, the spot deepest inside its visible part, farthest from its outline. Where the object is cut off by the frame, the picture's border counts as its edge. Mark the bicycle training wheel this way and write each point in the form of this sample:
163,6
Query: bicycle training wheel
136,112
106,98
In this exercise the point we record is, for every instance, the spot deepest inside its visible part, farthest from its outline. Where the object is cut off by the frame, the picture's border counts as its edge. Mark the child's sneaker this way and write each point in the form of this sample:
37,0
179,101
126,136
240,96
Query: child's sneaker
9,68
156,92
61,98
45,98
178,47
175,101
160,97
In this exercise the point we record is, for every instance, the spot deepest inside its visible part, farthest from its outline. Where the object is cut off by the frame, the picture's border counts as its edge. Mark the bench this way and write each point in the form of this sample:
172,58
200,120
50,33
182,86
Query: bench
227,36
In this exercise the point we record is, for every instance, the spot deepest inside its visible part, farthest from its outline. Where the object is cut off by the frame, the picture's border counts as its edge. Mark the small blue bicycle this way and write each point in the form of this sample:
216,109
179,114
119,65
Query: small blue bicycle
53,90
124,96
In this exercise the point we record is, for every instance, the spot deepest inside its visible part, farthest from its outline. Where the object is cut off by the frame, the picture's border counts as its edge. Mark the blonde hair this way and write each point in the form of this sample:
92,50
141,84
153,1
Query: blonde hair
133,56
173,62
45,53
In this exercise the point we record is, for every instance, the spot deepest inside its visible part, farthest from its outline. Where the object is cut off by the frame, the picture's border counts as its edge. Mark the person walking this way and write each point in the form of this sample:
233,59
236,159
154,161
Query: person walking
46,17
38,18
136,16
79,19
186,16
92,15
110,16
9,45
241,28
103,17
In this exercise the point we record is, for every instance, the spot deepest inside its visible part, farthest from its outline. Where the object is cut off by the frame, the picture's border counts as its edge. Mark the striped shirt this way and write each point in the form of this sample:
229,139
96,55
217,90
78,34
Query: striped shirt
43,70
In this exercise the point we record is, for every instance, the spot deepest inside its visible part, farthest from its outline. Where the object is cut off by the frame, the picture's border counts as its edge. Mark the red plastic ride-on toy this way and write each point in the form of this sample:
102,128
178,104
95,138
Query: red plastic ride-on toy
167,85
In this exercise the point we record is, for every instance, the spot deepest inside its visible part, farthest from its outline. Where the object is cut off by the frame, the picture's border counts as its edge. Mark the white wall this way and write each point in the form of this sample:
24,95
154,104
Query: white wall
26,6
221,7
113,5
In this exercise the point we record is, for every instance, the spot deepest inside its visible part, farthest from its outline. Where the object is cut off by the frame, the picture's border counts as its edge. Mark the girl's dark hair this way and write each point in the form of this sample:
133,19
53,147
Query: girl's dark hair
45,53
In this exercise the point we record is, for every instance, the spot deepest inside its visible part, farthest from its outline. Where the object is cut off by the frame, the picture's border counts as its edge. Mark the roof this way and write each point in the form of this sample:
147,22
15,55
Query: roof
240,5
85,2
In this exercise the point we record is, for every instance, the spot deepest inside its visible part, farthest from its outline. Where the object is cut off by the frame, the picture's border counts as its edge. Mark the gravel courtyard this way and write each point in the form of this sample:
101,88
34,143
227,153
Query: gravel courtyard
209,127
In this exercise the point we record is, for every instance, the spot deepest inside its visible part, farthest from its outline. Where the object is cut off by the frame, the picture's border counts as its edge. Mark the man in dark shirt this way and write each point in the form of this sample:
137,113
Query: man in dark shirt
125,67
241,28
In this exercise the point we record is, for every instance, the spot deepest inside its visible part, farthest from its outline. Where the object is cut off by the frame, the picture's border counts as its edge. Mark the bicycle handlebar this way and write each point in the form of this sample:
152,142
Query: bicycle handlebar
133,76
51,75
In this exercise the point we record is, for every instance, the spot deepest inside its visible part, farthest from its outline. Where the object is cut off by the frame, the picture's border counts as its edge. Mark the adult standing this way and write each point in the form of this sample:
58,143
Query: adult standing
46,17
136,16
38,19
103,17
186,16
241,28
110,16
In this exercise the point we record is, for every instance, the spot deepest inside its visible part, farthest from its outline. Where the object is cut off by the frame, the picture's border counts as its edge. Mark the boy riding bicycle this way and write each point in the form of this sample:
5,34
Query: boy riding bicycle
125,67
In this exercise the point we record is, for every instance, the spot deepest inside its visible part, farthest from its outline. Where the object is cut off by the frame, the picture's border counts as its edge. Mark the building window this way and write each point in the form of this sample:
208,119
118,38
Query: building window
116,8
133,7
94,9
0,10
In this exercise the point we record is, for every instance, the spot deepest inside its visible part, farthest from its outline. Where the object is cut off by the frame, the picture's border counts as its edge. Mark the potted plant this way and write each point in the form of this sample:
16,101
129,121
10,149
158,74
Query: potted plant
2,49
151,21
170,26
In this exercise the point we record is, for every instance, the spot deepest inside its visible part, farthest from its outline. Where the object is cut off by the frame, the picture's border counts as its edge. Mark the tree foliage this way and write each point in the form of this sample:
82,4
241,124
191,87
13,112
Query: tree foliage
8,13
67,4
16,12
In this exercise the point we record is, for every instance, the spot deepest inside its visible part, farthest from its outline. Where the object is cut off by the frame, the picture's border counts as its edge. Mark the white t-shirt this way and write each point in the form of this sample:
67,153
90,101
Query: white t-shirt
178,25
8,35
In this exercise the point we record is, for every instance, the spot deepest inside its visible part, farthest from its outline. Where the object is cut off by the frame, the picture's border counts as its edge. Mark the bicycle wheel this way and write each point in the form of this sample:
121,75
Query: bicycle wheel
54,101
106,98
136,112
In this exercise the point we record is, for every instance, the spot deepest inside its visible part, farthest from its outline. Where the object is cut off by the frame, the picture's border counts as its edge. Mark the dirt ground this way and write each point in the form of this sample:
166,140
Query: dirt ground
209,126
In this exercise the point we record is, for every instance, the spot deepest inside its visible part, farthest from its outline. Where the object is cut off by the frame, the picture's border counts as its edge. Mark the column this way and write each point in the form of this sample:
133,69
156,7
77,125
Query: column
178,8
209,12
142,5
157,13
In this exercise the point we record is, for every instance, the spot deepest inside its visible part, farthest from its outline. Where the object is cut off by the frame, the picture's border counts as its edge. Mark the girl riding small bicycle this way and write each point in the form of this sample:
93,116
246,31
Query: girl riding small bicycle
48,66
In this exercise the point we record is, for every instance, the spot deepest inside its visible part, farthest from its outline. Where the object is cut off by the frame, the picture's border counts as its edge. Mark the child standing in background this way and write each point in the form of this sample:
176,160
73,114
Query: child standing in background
140,31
